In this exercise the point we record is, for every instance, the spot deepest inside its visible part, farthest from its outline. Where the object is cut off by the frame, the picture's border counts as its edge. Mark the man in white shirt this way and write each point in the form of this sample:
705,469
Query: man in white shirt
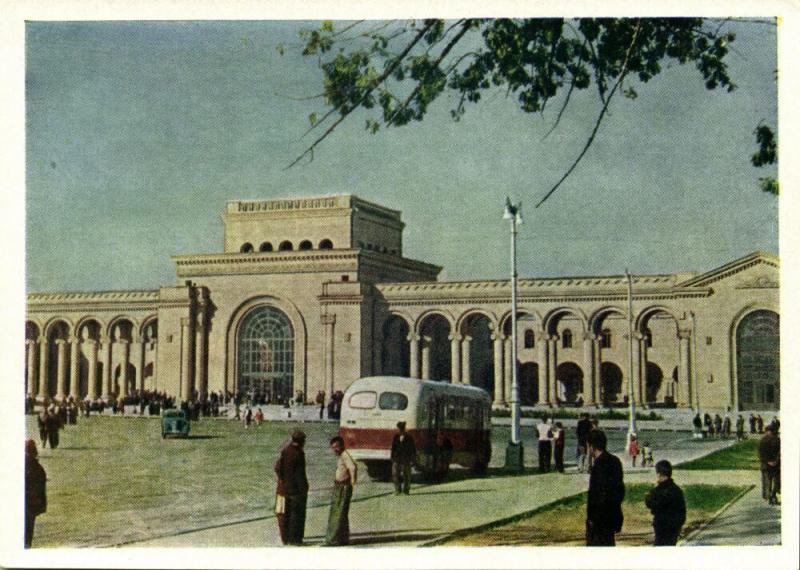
545,431
338,533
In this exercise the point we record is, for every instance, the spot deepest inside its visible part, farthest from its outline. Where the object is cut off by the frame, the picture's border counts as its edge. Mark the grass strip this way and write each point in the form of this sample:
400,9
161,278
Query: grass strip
562,522
739,456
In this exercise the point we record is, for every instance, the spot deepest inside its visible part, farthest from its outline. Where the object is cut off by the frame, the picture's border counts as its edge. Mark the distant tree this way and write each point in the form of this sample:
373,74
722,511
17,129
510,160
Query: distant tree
397,69
767,154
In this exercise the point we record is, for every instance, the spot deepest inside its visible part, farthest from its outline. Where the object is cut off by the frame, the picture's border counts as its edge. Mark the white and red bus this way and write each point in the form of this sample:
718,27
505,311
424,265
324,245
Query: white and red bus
458,414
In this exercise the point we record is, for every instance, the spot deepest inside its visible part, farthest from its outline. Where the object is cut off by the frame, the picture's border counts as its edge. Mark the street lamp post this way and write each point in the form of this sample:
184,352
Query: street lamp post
694,364
514,451
631,403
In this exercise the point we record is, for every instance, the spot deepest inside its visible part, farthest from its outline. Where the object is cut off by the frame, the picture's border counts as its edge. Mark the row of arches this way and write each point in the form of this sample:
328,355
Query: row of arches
286,245
567,358
90,358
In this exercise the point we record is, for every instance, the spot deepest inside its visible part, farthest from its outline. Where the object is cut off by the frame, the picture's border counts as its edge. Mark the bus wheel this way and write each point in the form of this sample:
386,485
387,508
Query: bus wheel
379,470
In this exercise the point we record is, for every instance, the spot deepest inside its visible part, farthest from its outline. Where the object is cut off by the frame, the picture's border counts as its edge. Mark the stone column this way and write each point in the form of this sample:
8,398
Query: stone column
200,369
413,355
31,379
553,384
544,367
61,370
597,369
499,392
328,322
507,371
588,368
154,350
425,357
74,367
455,358
637,370
138,360
684,395
465,368
186,358
91,374
105,347
641,388
44,391
124,385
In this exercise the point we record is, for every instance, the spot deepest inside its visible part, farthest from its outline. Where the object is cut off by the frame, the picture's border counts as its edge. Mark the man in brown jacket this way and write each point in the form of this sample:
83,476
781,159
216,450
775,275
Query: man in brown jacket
292,492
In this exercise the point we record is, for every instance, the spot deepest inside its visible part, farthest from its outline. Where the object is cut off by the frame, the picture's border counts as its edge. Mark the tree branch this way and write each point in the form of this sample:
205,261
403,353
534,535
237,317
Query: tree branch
590,140
346,113
561,111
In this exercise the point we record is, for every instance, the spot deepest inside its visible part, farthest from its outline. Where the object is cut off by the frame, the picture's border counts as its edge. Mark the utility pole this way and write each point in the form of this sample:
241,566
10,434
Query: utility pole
514,451
631,403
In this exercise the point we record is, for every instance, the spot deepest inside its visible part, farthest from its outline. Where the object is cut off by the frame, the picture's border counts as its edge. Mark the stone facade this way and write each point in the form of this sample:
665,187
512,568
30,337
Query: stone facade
311,294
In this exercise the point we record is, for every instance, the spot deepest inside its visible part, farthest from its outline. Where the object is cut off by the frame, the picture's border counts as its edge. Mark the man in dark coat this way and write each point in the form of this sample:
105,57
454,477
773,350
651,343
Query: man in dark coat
35,489
403,455
769,452
668,506
292,492
52,425
606,492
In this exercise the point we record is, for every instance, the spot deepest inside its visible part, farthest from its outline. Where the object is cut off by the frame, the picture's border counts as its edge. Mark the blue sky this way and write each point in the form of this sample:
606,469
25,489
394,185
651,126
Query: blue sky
137,134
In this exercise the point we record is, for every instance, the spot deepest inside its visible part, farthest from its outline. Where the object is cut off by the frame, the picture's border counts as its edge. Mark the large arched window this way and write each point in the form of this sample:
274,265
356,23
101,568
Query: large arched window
566,339
266,355
758,361
529,339
605,338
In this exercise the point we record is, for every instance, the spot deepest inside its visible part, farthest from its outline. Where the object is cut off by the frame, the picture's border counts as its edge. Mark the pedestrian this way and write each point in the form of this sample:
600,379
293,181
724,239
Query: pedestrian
403,455
717,425
726,427
248,417
698,426
52,425
292,492
545,432
759,423
559,440
259,417
595,426
41,420
709,425
647,454
752,421
338,533
35,489
740,428
582,434
769,453
606,492
776,425
633,450
668,506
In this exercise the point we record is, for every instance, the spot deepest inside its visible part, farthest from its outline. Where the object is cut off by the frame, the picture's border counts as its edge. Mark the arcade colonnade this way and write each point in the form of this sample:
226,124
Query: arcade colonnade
562,356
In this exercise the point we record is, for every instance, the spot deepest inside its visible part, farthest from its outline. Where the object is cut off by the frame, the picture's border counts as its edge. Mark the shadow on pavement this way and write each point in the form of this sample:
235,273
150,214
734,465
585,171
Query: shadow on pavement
383,537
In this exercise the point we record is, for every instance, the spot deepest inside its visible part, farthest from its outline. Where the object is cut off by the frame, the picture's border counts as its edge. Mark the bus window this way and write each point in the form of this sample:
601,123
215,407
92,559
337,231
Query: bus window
363,400
392,401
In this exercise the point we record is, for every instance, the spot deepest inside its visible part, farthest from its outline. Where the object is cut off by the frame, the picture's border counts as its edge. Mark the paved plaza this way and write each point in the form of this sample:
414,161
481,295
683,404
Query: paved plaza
216,488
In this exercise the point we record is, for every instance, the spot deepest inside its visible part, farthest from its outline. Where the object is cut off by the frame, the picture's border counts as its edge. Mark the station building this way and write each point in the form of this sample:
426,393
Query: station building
310,294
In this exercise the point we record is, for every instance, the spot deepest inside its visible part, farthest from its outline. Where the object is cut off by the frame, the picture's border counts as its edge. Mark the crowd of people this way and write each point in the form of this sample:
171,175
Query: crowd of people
719,427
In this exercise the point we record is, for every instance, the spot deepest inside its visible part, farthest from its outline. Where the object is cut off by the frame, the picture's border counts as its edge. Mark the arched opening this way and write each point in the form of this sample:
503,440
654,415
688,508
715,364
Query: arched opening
326,244
57,335
528,384
570,382
654,378
566,338
530,341
758,361
435,332
610,383
395,353
477,328
247,247
88,332
285,246
265,344
126,385
122,335
266,246
305,245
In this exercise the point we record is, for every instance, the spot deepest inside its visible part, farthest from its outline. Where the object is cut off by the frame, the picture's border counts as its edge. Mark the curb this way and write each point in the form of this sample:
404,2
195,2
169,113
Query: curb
714,517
